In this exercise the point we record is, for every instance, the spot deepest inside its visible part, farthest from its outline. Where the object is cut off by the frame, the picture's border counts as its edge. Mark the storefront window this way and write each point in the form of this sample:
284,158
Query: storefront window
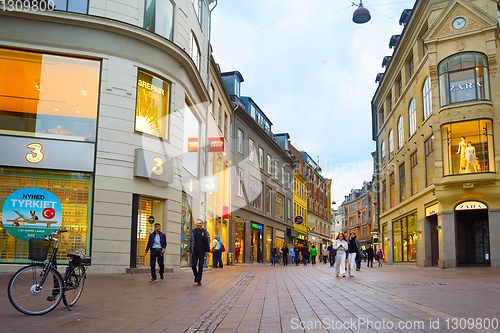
385,240
280,239
152,110
74,191
463,77
159,17
147,207
468,147
269,241
278,208
48,96
405,238
239,240
186,226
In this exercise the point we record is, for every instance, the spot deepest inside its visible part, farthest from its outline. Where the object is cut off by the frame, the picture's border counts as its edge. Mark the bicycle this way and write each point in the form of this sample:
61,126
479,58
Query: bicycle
30,289
279,259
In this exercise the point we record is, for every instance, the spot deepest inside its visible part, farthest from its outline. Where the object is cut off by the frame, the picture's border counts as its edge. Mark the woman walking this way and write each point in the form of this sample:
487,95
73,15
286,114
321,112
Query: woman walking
340,245
354,249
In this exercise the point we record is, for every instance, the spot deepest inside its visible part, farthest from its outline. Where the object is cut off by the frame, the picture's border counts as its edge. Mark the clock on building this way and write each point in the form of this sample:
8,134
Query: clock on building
458,23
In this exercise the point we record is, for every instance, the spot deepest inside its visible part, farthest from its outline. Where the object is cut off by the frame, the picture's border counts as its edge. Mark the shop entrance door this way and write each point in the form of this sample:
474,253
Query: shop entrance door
255,245
433,222
473,237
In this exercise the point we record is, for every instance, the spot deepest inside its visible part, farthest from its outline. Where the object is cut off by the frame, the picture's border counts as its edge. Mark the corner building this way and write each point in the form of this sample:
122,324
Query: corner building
104,105
436,123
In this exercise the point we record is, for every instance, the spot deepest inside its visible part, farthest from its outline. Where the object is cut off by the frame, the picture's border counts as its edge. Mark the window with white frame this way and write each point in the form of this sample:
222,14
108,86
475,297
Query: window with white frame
240,182
195,51
251,150
427,97
276,170
290,209
158,16
283,175
269,164
261,158
412,117
391,144
288,179
401,133
239,143
382,153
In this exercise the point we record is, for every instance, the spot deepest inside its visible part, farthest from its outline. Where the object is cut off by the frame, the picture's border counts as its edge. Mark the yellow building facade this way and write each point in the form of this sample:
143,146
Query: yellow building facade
436,122
300,190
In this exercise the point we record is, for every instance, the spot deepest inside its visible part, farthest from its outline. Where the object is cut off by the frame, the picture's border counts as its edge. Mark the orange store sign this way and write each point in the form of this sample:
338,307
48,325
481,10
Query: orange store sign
192,144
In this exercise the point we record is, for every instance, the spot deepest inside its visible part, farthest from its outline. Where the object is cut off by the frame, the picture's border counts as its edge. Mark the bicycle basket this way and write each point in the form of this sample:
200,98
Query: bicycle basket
38,250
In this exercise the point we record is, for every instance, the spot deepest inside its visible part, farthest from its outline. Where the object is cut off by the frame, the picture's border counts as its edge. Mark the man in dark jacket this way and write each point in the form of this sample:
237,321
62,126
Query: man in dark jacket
157,242
198,245
284,251
305,254
332,253
370,255
297,254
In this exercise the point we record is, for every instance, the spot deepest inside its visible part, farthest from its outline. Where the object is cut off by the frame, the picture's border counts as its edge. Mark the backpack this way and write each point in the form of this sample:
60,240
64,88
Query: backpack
222,248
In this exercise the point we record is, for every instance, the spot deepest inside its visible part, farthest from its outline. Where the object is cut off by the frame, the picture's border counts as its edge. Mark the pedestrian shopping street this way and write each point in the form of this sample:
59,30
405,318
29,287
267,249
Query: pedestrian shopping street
264,298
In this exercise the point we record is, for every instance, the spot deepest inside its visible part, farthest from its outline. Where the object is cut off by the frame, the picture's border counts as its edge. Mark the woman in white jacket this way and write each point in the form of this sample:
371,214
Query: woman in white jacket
340,245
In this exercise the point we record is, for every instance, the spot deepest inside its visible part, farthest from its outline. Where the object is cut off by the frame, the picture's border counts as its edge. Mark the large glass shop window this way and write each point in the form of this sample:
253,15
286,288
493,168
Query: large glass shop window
74,191
151,115
405,238
468,147
464,77
48,96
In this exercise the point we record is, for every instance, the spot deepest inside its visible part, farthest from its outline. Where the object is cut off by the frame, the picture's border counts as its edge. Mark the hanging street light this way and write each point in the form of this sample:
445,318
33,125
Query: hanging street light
361,15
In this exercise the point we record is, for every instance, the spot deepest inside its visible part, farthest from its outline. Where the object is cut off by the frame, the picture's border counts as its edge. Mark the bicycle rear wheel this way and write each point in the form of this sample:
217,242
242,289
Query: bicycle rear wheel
28,296
74,284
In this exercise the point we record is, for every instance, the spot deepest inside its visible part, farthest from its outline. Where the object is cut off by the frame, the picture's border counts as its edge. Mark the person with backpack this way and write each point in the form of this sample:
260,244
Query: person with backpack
297,250
380,257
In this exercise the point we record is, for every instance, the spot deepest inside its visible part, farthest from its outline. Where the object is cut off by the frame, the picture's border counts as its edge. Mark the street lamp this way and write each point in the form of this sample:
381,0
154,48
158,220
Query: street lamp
361,15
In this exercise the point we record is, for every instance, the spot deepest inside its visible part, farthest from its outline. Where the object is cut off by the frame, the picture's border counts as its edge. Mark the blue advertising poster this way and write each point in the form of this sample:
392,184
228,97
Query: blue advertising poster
31,213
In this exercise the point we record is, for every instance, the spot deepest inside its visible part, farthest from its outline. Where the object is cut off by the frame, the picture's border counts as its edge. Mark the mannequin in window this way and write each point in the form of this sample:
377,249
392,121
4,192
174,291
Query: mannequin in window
470,153
461,150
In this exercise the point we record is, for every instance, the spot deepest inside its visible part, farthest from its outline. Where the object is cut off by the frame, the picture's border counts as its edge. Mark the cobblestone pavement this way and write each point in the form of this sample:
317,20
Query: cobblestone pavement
262,298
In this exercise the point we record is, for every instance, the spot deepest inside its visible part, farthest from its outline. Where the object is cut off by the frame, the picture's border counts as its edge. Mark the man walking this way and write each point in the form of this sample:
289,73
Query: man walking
370,255
157,242
332,253
198,245
284,251
296,249
274,251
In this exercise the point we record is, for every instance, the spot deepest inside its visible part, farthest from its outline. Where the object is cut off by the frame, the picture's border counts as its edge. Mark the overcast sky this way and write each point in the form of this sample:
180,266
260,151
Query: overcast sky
312,71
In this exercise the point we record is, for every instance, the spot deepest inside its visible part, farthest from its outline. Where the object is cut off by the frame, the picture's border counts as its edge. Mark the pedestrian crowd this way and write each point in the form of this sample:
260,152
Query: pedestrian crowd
345,254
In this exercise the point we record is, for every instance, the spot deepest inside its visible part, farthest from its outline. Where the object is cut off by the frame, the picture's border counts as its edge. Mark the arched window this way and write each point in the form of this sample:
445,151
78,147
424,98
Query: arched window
412,116
427,98
401,132
391,144
463,77
382,153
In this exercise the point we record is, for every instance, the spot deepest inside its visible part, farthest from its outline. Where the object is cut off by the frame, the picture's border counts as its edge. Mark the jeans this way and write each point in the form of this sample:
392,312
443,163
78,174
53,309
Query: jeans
217,258
197,261
285,259
351,262
370,262
358,264
297,259
273,259
332,259
313,260
304,259
156,255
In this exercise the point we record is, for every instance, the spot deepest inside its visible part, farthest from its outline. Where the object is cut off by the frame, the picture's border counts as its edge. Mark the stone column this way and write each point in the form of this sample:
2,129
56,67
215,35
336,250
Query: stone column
424,243
494,225
447,240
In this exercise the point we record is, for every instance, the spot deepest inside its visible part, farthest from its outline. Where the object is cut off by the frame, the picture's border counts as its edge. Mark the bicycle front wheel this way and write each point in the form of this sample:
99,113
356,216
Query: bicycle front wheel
74,284
29,296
